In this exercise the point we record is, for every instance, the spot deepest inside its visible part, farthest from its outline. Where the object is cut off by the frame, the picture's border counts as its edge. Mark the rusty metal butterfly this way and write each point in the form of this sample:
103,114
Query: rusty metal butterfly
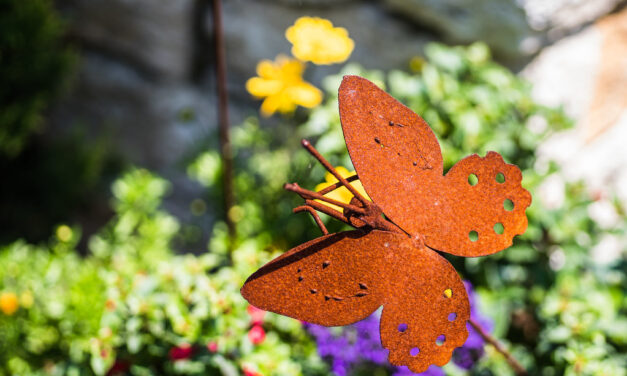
390,259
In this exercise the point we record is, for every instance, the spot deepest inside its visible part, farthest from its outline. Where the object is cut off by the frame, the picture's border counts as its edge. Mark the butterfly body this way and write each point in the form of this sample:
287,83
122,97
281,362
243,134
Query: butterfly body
339,279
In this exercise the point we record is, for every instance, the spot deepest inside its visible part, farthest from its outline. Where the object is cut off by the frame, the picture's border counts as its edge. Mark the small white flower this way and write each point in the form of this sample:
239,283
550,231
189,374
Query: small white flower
604,214
557,258
537,124
609,249
551,192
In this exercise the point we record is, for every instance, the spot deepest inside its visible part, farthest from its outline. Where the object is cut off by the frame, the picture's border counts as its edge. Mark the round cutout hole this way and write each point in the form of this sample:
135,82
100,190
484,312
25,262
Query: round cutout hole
452,316
473,179
508,204
414,351
448,293
402,328
440,340
473,236
500,178
499,228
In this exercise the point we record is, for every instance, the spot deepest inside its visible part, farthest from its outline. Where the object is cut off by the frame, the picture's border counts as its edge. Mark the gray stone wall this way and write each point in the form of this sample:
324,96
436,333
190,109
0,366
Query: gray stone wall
145,61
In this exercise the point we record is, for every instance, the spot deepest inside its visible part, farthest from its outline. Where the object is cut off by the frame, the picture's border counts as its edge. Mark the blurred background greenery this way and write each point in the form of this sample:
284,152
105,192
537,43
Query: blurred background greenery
114,252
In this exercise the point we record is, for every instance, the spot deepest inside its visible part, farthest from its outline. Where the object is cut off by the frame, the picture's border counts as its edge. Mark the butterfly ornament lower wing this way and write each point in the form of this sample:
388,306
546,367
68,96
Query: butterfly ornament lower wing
425,320
342,278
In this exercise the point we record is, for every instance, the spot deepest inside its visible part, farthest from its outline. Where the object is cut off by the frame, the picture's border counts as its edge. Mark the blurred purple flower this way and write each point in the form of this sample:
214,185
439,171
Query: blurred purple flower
466,356
351,345
431,371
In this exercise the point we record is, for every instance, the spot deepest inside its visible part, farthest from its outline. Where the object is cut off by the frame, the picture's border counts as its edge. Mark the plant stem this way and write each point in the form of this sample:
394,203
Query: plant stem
517,367
223,118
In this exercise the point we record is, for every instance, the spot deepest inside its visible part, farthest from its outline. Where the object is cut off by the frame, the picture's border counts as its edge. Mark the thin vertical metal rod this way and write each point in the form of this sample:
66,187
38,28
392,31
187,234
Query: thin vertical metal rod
517,367
223,117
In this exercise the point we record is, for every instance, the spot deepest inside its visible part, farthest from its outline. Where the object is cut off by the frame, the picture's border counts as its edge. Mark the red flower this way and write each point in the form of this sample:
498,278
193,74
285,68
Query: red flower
180,352
119,367
212,347
256,334
248,372
256,314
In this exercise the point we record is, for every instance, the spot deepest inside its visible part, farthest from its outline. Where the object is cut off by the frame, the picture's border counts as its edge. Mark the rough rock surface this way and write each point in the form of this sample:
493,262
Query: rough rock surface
381,41
142,116
143,121
587,74
609,99
155,44
138,58
563,16
501,24
553,70
155,35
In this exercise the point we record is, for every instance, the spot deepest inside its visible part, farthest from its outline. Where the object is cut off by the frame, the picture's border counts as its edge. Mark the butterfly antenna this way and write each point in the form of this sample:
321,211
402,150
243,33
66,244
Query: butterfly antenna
315,216
306,194
310,148
337,185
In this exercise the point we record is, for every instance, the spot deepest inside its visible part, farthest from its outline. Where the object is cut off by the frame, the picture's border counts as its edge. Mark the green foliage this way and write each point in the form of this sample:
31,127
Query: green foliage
557,296
133,301
61,298
33,66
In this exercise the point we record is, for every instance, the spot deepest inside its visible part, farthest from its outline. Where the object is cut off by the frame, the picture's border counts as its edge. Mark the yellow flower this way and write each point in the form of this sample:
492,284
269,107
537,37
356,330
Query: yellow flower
315,39
64,233
27,299
8,303
282,84
417,64
341,194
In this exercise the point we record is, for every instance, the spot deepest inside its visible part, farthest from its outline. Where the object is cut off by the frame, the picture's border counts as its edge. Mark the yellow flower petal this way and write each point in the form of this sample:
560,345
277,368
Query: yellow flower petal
292,69
305,95
329,178
8,303
343,171
267,69
270,105
280,82
321,186
316,40
341,194
260,87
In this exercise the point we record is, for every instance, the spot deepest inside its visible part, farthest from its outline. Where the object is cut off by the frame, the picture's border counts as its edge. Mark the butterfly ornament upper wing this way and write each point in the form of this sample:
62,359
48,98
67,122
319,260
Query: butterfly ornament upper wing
398,160
342,278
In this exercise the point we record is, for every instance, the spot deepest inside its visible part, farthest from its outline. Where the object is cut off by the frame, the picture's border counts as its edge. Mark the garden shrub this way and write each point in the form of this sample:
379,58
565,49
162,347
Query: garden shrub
34,64
134,306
